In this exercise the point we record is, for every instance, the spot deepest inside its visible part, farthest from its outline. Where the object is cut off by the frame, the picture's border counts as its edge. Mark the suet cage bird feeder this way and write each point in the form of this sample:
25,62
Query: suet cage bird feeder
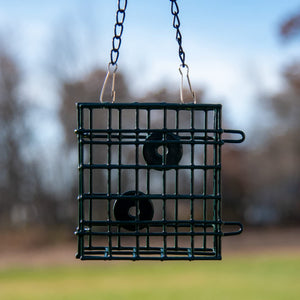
150,181
150,173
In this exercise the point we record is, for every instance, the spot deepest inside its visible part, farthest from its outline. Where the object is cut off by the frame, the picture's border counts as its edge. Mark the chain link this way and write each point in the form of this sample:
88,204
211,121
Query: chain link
176,25
118,30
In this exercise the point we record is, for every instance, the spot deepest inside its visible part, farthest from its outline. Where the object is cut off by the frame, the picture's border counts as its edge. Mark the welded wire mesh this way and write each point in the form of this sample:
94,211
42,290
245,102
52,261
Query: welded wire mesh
150,181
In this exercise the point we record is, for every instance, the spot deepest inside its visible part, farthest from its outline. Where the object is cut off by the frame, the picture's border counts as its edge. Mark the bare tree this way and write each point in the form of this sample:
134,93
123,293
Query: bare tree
15,180
274,181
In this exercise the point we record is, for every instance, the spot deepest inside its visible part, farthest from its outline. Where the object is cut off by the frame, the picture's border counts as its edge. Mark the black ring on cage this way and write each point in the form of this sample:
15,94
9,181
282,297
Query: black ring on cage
125,208
158,139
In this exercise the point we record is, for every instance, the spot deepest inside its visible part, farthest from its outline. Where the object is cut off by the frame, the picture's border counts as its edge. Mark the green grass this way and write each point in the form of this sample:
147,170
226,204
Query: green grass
262,277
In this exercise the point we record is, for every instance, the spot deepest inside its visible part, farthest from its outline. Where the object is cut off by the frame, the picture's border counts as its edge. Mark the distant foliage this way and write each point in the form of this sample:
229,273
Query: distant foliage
290,28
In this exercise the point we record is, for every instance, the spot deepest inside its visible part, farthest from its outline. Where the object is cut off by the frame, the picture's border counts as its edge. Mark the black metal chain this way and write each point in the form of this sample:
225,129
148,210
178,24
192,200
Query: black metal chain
118,30
119,26
176,25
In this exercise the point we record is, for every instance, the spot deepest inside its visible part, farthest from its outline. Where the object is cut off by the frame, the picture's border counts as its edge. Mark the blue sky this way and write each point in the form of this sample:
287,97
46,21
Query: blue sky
232,47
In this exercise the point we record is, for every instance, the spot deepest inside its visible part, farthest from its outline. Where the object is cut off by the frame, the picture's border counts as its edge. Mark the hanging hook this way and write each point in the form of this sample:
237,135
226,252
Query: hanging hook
182,66
113,92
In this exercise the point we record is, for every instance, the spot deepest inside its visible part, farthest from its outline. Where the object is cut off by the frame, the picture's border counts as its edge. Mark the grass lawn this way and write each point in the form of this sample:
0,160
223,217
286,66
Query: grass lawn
249,277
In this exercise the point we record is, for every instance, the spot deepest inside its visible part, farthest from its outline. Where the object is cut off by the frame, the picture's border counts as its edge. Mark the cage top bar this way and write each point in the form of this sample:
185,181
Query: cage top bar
149,105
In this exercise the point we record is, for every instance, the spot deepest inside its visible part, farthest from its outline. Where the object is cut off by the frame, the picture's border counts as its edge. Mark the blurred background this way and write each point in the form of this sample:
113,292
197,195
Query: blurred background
242,54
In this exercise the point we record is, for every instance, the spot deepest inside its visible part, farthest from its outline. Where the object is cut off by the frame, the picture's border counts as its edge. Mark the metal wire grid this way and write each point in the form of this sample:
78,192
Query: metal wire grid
185,193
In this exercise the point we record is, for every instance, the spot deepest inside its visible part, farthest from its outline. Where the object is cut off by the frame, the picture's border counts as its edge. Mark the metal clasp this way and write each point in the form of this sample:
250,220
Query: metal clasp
113,92
189,83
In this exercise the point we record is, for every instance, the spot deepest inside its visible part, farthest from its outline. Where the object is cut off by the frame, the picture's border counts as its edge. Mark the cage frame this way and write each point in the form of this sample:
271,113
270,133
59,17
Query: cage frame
86,227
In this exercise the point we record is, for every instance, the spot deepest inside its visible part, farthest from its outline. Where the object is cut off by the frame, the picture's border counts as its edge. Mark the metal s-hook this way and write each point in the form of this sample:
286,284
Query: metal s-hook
113,92
182,66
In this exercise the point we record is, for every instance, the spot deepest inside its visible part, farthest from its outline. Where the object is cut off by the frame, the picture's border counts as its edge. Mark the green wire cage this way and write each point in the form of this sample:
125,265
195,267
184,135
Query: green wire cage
150,181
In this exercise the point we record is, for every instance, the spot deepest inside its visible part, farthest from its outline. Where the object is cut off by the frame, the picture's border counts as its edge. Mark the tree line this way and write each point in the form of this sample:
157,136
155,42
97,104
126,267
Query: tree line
261,184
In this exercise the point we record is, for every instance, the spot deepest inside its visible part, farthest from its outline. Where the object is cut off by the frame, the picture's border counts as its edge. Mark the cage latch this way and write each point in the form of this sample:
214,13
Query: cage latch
240,230
234,141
